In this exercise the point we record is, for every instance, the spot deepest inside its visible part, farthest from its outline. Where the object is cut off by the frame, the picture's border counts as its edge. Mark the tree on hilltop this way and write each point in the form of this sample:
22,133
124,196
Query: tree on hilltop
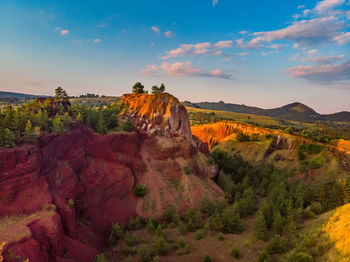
138,88
158,90
61,94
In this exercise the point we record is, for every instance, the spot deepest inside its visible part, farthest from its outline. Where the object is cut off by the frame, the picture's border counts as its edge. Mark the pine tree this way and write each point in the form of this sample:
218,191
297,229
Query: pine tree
101,124
260,228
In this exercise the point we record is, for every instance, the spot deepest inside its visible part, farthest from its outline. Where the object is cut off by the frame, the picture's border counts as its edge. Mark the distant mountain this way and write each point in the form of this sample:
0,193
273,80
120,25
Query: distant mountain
17,95
294,111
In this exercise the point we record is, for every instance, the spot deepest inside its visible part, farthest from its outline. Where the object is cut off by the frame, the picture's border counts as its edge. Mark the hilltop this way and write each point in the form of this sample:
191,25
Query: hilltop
294,111
20,96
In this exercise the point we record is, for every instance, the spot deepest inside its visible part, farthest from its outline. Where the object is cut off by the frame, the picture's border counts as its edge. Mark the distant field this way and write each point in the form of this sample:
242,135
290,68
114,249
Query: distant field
236,116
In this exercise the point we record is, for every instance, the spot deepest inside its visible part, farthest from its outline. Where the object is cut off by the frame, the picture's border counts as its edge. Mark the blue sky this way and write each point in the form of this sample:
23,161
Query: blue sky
261,53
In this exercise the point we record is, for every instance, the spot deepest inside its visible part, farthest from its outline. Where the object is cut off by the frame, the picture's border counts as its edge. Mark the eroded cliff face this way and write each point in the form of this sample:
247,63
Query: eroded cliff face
221,131
60,196
158,113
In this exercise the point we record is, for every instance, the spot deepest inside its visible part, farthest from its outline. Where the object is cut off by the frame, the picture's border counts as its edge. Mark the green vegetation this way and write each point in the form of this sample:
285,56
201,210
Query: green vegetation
158,90
140,190
138,88
187,170
235,253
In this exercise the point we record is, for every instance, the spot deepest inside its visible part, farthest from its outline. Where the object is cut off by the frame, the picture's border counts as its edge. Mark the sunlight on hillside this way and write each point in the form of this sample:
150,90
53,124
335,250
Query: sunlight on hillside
338,229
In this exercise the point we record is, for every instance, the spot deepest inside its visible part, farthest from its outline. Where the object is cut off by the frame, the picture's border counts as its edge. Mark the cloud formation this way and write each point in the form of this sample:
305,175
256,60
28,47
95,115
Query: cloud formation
181,69
155,29
63,32
169,34
323,60
215,2
97,40
342,38
322,73
305,32
204,48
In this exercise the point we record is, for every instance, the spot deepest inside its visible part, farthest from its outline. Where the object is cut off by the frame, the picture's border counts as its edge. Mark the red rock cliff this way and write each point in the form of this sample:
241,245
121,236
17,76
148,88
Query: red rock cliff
60,196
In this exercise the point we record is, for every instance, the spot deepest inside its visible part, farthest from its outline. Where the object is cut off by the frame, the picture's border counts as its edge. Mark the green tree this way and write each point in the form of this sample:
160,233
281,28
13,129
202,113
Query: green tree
159,246
260,228
7,138
207,258
138,88
61,94
101,124
128,125
58,125
158,90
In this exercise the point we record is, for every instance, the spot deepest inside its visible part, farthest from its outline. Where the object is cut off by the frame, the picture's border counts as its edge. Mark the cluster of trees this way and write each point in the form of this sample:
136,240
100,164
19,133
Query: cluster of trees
286,202
88,95
27,122
138,88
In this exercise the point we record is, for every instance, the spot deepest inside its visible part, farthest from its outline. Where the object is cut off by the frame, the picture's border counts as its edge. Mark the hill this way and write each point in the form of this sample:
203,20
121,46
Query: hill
20,96
294,111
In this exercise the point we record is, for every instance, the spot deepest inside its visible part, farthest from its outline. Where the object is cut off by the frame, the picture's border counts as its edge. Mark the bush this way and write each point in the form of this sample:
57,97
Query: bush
277,245
207,258
152,224
181,228
129,251
116,233
221,236
298,256
170,215
264,256
137,223
242,137
187,170
144,254
131,239
235,253
159,246
140,190
260,228
101,258
198,235
128,126
206,206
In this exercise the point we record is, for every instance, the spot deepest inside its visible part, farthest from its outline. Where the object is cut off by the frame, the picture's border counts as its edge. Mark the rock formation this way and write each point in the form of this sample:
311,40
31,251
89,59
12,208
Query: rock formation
60,196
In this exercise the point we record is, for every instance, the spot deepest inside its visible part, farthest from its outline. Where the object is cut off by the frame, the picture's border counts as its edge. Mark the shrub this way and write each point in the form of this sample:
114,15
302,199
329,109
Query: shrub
207,258
298,256
152,224
277,245
170,215
260,228
128,126
221,236
144,254
137,223
116,233
129,251
181,228
100,258
181,242
140,190
242,137
187,170
131,239
206,206
235,253
231,221
160,232
198,235
264,256
159,246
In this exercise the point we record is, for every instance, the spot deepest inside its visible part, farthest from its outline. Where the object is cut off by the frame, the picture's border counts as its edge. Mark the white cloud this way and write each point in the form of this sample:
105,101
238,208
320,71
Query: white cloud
312,52
327,5
305,32
243,32
295,57
215,2
169,34
301,6
155,29
63,32
324,73
97,40
323,60
181,69
343,38
204,48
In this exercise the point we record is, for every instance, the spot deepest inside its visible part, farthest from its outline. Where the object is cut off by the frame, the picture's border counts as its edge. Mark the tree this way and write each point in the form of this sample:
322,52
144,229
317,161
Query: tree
138,88
260,228
61,94
158,90
101,124
58,125
29,135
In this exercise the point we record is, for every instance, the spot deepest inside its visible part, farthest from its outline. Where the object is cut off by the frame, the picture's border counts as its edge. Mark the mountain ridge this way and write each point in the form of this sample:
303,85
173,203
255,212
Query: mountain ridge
295,111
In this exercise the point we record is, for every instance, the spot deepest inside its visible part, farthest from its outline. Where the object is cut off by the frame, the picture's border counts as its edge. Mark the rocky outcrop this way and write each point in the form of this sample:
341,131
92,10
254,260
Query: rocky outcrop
221,131
156,114
62,194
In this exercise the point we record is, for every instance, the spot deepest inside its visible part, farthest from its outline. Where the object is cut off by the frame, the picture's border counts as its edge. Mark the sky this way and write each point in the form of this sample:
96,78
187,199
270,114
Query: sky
258,53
